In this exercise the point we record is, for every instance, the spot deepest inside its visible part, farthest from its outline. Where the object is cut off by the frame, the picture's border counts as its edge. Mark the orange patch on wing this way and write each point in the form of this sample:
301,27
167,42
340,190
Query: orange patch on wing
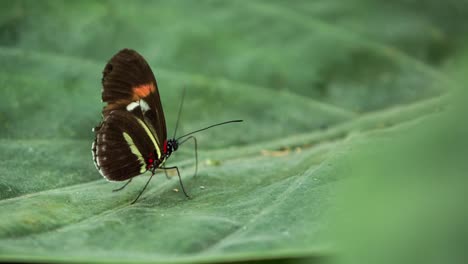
139,92
142,91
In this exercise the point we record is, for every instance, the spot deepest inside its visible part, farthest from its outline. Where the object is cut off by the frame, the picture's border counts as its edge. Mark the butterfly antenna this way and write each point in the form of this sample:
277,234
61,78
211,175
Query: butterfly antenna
218,124
180,111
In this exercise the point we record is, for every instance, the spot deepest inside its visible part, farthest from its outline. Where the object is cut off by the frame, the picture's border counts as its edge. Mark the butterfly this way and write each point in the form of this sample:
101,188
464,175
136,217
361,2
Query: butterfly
132,136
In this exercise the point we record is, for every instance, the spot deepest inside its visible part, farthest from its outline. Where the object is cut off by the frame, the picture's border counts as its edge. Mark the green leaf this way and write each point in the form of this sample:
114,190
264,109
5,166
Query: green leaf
321,87
404,197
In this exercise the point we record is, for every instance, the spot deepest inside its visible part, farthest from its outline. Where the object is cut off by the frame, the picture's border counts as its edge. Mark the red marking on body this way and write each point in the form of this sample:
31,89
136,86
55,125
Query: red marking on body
142,91
150,164
150,161
165,146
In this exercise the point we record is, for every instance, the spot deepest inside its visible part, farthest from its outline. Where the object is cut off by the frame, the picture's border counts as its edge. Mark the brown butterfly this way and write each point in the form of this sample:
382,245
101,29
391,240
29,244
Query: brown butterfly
132,137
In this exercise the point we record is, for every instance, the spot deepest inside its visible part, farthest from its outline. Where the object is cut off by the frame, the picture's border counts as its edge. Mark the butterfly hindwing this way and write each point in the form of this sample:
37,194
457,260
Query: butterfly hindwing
128,79
124,145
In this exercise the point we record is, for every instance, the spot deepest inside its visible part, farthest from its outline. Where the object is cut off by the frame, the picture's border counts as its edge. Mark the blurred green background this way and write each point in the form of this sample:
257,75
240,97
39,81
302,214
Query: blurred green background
352,150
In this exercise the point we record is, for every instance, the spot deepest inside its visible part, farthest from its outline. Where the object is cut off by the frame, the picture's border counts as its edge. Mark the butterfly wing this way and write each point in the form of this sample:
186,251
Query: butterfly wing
133,129
127,82
124,146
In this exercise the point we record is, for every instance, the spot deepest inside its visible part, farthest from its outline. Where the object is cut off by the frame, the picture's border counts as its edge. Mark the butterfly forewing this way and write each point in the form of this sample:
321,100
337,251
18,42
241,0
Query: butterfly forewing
127,78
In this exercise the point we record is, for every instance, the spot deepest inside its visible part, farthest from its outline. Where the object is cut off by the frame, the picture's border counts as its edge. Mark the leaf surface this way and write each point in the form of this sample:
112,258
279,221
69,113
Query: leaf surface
313,82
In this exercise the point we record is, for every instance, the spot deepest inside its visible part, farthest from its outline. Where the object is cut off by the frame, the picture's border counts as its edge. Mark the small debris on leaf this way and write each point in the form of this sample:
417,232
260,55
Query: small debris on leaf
276,153
211,162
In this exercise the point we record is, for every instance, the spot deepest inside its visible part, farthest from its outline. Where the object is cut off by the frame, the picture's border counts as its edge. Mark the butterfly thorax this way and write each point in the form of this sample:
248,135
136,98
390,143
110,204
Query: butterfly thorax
170,146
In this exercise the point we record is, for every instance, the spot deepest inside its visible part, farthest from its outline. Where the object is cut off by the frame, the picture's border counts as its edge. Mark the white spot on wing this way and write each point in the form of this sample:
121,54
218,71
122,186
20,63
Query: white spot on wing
144,106
102,174
97,151
93,150
132,106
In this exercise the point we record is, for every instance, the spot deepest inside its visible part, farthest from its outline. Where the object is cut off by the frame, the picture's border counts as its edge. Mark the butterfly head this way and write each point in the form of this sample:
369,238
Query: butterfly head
170,146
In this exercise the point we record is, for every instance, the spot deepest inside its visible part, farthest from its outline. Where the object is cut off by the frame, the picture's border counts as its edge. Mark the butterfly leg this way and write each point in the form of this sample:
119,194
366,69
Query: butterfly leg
180,179
144,188
125,185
